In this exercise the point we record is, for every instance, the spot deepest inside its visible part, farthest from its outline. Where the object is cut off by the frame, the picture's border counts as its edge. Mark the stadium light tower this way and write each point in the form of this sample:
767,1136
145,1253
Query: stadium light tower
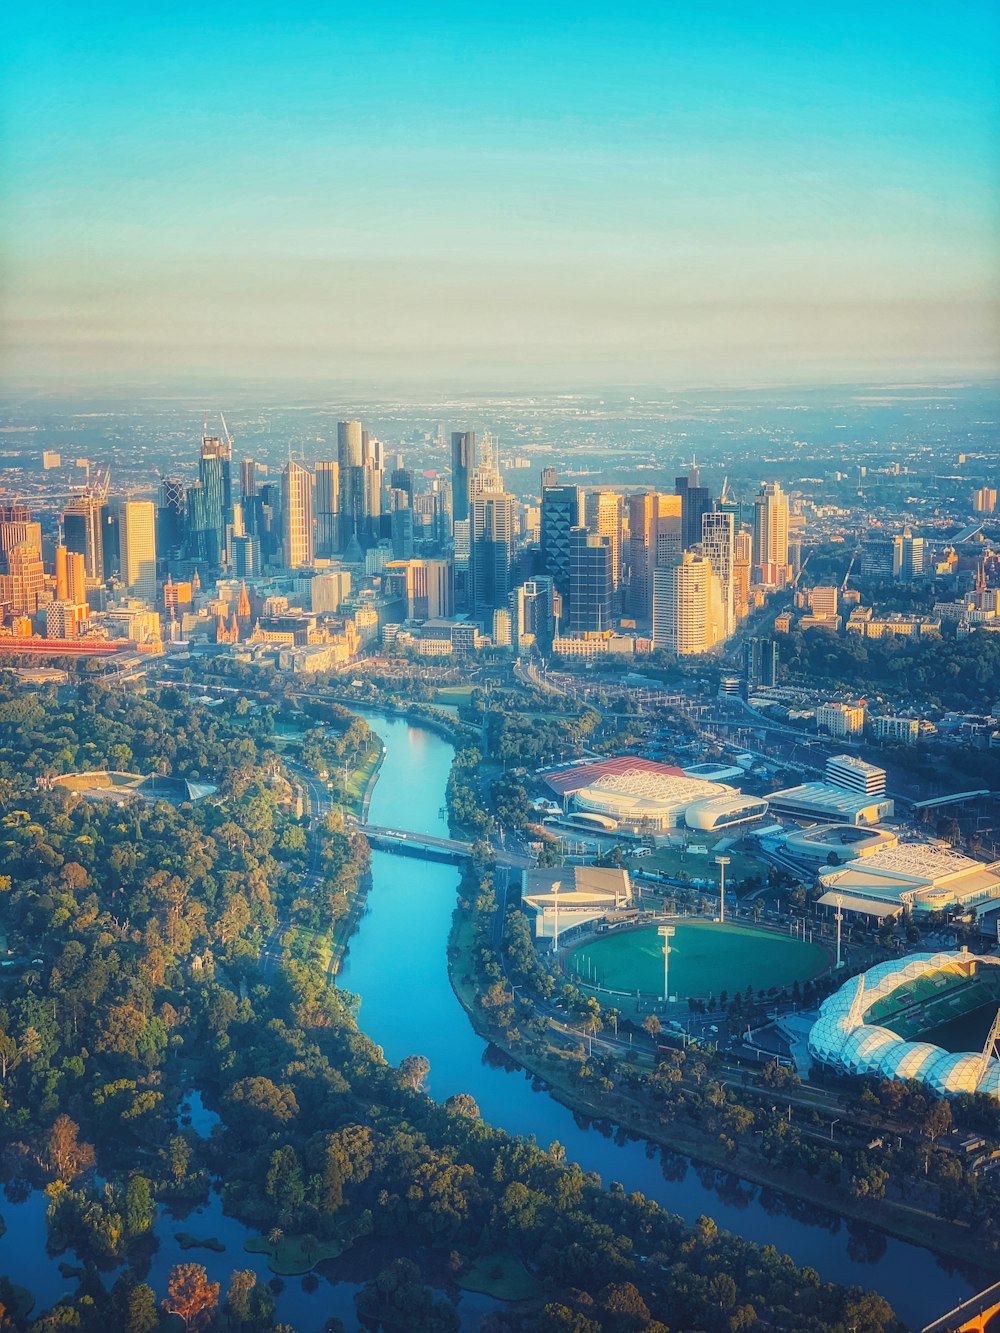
839,918
722,862
665,933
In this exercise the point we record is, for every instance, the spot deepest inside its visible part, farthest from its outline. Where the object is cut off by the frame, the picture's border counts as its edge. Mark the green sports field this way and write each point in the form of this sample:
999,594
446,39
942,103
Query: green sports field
705,959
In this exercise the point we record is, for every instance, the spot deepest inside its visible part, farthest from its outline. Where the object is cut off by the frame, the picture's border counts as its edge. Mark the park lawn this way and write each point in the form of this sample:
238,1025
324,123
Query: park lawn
675,862
454,694
292,1256
358,779
501,1275
706,958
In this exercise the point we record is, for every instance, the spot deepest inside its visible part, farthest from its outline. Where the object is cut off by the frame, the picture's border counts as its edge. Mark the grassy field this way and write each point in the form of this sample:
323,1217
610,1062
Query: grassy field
705,959
502,1276
677,862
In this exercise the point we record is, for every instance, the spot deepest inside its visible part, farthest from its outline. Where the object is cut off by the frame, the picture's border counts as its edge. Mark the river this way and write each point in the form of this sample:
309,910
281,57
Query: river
397,964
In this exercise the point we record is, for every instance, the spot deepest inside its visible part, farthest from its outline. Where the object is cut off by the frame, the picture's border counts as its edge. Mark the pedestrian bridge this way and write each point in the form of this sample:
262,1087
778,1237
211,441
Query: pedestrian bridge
402,842
972,1316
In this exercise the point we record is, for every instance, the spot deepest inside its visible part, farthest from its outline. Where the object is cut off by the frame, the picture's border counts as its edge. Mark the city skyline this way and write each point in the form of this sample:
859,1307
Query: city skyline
417,196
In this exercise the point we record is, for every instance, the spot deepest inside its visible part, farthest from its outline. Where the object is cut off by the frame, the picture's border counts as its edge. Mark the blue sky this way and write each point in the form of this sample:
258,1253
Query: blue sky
500,194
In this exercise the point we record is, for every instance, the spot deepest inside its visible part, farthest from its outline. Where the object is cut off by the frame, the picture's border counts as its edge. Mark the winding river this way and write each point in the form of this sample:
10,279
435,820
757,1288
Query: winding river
397,964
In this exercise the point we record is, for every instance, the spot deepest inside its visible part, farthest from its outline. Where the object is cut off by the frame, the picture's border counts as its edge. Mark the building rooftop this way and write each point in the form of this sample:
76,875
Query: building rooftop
574,778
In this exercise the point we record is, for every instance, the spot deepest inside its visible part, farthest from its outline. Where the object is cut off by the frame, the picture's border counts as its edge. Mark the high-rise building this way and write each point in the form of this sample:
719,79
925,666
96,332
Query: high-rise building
717,543
687,606
840,720
654,522
327,509
907,557
590,582
171,515
770,536
604,515
350,462
532,614
696,500
760,662
137,544
297,516
823,599
463,461
17,529
742,560
83,531
23,580
246,556
210,502
984,501
424,585
561,512
491,527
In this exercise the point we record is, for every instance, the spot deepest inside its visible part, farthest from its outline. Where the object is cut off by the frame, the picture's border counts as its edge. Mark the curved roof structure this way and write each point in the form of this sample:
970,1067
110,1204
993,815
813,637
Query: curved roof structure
843,1038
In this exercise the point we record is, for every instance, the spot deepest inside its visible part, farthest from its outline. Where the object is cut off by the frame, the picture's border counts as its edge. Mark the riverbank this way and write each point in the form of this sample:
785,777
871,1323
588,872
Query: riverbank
556,1070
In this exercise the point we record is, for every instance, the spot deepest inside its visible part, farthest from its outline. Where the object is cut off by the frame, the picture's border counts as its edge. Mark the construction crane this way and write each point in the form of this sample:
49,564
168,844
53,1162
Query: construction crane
225,430
850,567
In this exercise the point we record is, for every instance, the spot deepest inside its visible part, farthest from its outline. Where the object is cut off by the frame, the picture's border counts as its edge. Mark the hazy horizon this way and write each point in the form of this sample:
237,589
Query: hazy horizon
554,199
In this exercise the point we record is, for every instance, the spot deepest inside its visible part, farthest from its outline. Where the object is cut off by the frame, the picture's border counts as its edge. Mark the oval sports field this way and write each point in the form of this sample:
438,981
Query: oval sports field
706,958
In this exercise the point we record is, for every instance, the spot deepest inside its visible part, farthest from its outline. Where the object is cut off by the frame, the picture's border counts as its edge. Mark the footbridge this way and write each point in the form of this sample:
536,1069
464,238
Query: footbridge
402,842
972,1316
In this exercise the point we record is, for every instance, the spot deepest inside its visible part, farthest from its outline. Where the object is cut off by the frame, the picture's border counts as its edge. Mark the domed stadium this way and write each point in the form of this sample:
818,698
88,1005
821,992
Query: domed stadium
909,1019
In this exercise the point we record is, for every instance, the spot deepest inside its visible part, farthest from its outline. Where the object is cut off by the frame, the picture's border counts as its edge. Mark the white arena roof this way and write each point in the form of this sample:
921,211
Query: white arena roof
925,877
646,798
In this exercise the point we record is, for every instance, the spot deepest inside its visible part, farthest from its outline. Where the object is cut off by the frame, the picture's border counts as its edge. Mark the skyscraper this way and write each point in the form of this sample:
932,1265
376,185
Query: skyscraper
463,460
654,521
533,614
696,500
686,606
137,547
297,516
491,526
590,582
327,509
770,536
907,557
210,502
717,540
83,531
561,512
604,513
350,461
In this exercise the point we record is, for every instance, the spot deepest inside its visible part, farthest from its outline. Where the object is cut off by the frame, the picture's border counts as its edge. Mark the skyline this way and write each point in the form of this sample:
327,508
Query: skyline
491,199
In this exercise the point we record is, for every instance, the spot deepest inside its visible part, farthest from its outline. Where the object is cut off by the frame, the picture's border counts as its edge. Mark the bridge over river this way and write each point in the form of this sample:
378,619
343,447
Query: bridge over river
429,848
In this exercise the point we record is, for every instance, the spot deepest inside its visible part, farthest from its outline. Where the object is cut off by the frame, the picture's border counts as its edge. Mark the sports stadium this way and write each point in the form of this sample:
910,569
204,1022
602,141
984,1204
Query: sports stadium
929,1017
706,958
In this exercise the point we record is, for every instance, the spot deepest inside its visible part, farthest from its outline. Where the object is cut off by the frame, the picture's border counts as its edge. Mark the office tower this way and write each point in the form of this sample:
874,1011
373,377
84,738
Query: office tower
401,530
717,542
61,619
696,500
210,502
246,556
76,578
501,627
83,531
742,559
770,536
23,579
463,460
550,477
907,557
654,522
329,590
297,516
424,585
984,501
562,511
62,581
110,541
590,582
171,514
17,529
823,599
268,531
350,462
686,606
533,614
327,509
604,515
401,479
491,529
760,662
248,479
137,544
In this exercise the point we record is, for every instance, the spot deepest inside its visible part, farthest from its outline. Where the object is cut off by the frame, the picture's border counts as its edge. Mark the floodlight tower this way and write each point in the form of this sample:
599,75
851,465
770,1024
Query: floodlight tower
722,862
839,918
665,933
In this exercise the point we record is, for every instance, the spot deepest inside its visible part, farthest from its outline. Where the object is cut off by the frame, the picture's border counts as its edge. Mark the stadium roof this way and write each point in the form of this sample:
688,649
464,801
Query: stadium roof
568,780
863,905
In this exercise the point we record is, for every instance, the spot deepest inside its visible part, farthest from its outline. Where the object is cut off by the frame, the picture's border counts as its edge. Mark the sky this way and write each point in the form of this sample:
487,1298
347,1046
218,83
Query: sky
499,195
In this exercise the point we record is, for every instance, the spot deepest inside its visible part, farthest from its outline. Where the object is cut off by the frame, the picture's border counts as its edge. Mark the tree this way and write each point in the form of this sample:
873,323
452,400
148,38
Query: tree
139,1212
133,1306
652,1026
413,1070
64,1154
190,1295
